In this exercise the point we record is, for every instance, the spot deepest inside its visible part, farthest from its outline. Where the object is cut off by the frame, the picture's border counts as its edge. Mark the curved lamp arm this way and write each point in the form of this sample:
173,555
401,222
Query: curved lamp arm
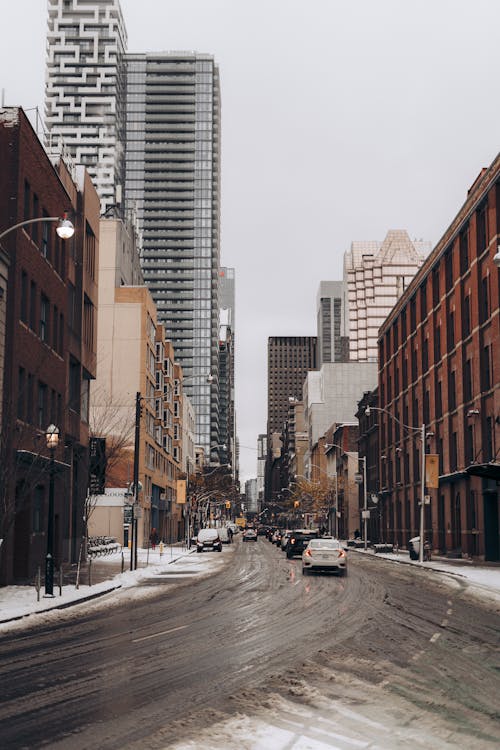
65,228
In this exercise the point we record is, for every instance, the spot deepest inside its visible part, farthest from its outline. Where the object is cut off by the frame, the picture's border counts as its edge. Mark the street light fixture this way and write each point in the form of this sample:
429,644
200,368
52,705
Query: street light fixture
64,229
52,440
415,430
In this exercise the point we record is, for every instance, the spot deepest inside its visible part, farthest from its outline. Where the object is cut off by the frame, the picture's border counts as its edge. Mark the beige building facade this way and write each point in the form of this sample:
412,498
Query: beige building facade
375,276
133,358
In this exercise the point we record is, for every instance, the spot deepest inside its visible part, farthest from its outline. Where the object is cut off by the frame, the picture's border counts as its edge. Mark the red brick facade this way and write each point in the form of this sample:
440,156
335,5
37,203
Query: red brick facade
440,366
50,348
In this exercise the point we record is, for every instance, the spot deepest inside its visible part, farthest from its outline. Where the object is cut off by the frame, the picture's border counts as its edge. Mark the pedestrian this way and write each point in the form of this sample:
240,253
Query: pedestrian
153,538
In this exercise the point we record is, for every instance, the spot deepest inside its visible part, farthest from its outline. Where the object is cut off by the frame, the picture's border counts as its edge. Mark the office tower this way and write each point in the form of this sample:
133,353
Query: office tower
227,428
290,358
333,344
376,274
173,189
85,91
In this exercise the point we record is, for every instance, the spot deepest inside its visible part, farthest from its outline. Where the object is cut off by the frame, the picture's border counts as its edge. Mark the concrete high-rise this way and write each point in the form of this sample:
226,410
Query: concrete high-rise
85,91
290,358
333,344
173,189
376,275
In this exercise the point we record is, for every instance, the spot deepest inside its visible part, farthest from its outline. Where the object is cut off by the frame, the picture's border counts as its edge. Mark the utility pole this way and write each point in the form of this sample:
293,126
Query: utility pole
133,545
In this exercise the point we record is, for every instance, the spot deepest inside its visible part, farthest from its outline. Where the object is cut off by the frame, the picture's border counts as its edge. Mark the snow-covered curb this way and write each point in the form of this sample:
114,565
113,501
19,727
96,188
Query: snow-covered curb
19,603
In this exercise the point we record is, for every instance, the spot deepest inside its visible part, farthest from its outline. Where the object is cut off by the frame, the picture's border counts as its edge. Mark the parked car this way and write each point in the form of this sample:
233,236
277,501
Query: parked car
276,537
324,554
249,535
208,539
298,541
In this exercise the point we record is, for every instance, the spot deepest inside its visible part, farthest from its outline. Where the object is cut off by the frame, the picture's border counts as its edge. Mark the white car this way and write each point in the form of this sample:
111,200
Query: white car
324,554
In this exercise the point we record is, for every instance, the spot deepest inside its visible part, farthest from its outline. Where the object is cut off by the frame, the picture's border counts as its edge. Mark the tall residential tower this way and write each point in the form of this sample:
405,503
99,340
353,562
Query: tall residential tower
173,189
85,91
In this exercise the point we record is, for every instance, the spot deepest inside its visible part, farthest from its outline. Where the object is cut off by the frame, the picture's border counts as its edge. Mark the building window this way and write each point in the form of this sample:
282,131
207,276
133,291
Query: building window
415,411
439,399
482,227
33,306
466,320
90,251
85,397
426,407
468,380
413,314
24,297
453,451
452,392
448,269
435,286
42,412
88,323
27,205
425,355
450,331
437,344
484,299
423,300
464,250
469,444
414,368
44,318
486,368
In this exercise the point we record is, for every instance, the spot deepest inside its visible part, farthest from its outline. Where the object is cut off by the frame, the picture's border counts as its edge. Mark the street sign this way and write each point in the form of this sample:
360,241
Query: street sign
358,478
127,514
365,514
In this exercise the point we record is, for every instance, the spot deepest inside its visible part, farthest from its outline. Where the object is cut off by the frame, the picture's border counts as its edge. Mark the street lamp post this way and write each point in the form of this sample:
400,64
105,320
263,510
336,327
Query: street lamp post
415,430
52,438
365,504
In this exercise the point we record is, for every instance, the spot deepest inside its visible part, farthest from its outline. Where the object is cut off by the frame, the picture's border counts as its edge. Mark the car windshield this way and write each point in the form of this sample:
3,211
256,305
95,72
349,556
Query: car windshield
206,534
324,544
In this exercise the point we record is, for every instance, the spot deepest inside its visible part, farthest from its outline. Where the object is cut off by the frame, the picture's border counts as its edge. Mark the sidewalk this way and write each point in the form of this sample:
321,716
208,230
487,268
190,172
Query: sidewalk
483,577
105,575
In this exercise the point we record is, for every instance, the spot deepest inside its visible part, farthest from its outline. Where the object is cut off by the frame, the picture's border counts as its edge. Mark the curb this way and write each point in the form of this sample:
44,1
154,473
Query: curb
414,564
88,598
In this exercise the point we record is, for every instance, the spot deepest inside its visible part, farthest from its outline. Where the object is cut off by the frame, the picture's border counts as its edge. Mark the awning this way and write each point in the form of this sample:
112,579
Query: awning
487,471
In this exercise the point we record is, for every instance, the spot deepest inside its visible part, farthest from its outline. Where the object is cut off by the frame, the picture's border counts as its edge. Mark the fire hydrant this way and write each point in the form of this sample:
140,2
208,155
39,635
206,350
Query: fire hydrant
161,549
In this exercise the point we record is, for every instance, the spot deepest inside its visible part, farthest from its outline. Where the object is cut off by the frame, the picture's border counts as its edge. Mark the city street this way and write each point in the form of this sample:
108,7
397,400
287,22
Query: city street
259,656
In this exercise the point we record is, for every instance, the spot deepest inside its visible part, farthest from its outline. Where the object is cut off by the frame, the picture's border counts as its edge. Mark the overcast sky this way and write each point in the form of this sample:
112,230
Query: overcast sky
340,120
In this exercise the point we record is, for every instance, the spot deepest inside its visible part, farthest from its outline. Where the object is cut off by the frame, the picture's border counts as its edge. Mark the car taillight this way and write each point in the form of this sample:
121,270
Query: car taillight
292,541
341,553
308,553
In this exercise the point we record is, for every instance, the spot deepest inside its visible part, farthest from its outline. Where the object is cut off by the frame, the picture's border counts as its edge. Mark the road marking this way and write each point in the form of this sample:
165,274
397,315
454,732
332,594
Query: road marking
449,611
435,637
157,635
444,623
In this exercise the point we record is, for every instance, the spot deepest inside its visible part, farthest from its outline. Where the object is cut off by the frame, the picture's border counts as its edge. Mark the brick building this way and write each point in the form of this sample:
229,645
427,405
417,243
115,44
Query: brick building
439,366
50,348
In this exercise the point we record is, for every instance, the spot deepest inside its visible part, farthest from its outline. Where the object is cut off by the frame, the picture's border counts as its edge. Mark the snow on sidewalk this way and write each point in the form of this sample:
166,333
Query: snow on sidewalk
17,602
